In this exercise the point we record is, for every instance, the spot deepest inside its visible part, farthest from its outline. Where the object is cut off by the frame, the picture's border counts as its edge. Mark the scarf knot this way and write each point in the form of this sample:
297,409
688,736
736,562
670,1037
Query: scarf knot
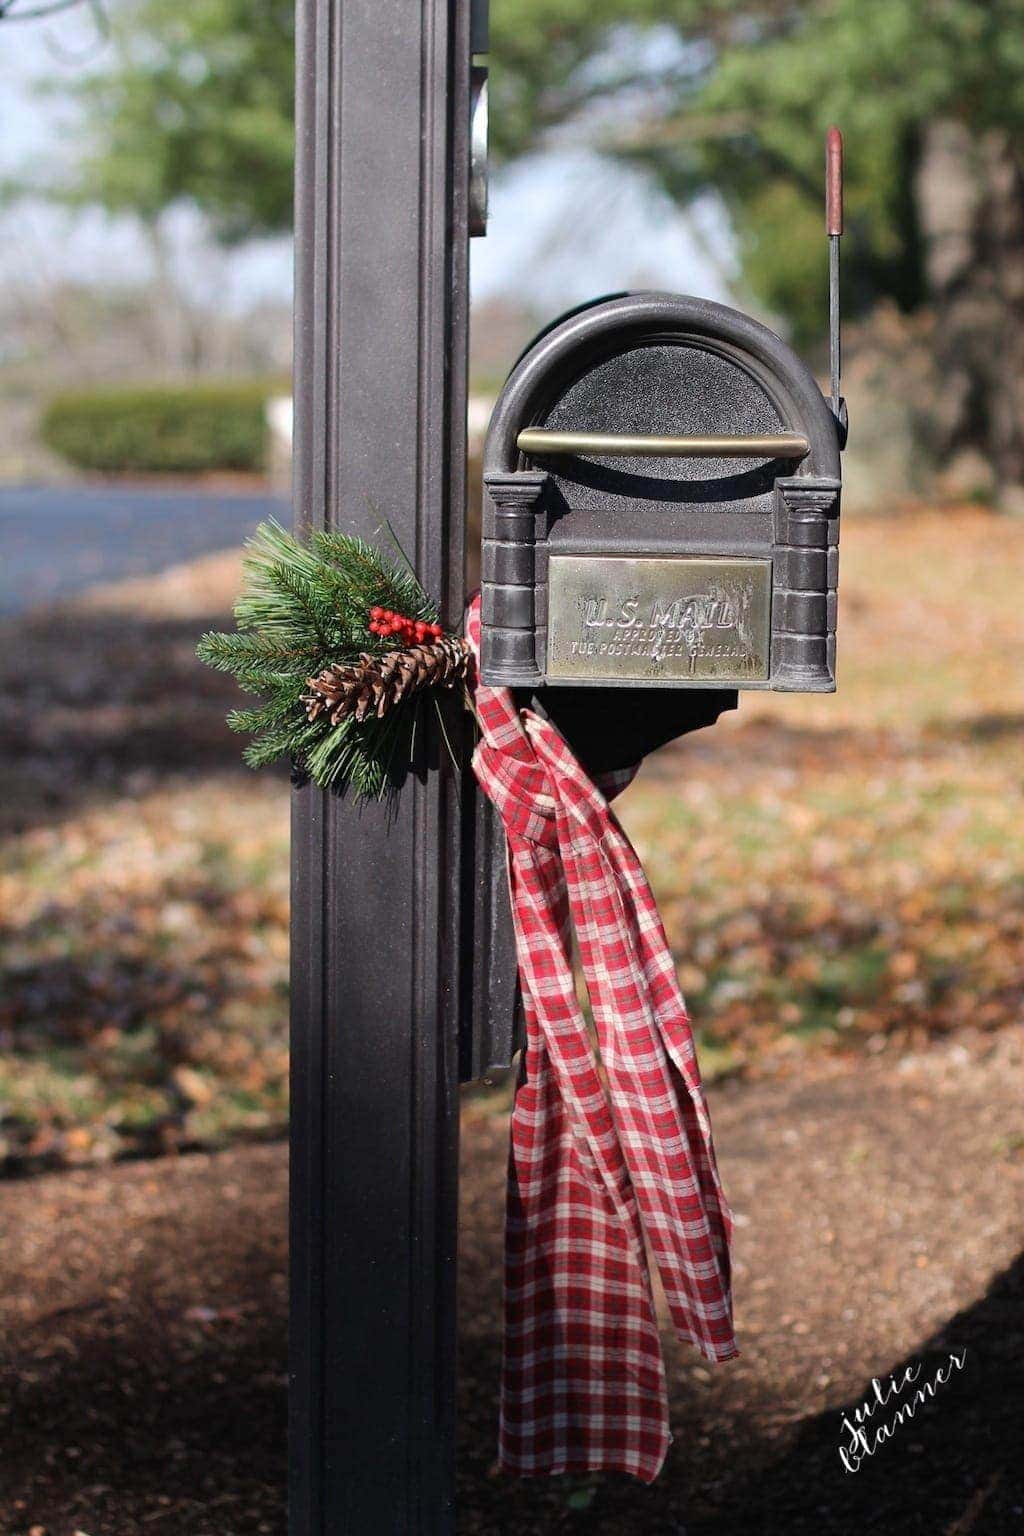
521,792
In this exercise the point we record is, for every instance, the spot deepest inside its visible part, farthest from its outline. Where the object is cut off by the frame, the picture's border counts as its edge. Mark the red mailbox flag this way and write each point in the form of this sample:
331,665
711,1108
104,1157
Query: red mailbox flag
595,1170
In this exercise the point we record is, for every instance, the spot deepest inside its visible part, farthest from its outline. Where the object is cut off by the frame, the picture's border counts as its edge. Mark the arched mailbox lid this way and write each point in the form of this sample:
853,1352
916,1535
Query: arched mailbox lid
585,338
661,521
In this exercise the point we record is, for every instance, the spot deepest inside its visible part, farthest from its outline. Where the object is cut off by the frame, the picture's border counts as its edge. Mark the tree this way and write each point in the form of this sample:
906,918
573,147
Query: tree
728,95
735,96
194,103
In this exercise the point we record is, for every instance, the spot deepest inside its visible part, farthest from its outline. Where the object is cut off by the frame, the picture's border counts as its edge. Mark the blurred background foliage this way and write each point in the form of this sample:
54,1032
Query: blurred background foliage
190,102
195,103
163,428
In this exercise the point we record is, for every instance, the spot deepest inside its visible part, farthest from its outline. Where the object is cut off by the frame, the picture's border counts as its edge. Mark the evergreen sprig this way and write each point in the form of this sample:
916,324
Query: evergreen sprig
304,606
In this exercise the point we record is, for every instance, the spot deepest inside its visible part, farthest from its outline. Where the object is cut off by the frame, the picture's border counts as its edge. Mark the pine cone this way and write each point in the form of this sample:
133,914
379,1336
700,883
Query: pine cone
378,683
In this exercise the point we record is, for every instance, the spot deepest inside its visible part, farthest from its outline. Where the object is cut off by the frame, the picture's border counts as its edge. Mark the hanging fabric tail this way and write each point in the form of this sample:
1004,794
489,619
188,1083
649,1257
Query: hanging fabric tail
598,1164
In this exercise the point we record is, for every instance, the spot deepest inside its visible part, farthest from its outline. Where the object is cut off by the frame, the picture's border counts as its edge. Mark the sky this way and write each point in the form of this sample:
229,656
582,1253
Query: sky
564,225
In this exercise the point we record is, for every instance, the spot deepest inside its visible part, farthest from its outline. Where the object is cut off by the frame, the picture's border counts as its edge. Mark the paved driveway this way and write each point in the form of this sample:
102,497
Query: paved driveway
58,540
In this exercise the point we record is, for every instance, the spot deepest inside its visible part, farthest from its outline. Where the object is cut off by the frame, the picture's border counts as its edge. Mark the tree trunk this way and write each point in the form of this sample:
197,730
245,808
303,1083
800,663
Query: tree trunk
970,199
169,318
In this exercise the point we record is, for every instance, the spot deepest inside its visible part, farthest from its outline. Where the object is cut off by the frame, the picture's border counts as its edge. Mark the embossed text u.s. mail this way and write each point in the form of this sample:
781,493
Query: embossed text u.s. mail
614,618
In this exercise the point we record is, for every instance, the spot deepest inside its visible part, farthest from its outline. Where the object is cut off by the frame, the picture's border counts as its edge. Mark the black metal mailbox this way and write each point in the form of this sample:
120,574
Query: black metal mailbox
661,512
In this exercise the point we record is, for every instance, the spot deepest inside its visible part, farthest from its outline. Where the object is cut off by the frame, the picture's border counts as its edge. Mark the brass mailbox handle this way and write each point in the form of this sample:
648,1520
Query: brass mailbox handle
779,445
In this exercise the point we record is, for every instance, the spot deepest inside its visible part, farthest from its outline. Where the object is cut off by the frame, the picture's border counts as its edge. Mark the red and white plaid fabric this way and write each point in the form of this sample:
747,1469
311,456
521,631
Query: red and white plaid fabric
603,1156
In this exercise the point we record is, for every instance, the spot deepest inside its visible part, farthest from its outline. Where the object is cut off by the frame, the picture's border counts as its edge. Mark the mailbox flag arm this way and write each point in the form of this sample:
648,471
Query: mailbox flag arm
834,230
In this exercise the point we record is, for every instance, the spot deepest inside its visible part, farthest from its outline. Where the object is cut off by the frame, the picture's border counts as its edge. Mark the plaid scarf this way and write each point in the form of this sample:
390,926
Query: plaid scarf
608,1158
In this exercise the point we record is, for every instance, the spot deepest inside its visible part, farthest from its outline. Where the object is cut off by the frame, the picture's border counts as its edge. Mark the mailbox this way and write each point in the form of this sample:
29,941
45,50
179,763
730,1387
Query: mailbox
661,522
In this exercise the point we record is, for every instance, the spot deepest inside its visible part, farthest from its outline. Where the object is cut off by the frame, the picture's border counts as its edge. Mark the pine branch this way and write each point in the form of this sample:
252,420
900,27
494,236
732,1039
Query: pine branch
252,650
286,602
366,577
303,617
275,712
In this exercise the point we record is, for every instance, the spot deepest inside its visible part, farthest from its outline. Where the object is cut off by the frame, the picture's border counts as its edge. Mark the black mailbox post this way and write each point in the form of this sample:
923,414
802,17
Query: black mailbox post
661,521
381,895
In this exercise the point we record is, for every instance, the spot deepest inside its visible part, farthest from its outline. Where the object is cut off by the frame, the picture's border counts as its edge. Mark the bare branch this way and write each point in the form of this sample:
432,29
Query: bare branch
76,57
11,10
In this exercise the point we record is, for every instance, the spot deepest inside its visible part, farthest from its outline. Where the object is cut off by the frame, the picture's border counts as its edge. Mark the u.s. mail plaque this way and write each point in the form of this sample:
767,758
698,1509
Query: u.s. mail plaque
669,619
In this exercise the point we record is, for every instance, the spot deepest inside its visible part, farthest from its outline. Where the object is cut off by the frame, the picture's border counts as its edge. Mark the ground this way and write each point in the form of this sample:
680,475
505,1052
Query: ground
842,881
879,1226
837,874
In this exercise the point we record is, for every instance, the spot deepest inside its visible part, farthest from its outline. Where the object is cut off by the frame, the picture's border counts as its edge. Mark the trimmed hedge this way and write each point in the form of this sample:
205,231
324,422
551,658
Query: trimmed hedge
185,428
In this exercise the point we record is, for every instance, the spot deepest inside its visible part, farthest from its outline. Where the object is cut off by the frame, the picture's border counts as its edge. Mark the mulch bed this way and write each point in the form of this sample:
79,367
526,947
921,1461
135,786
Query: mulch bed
142,1357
